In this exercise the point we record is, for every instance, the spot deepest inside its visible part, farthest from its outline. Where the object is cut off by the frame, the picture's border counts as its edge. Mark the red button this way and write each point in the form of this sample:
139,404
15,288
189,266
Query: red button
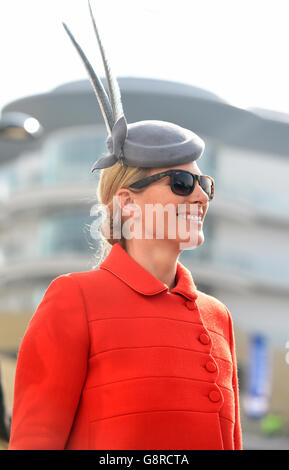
190,305
211,366
214,396
204,338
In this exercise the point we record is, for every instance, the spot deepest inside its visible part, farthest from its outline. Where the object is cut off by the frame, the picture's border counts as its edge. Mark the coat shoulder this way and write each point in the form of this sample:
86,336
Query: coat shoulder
83,278
95,284
92,276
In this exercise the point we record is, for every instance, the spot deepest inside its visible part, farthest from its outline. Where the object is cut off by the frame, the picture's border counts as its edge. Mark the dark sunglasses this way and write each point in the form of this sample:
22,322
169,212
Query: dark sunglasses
182,182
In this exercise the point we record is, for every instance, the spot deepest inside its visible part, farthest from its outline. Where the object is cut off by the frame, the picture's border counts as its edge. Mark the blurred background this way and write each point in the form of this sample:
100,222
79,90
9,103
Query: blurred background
217,68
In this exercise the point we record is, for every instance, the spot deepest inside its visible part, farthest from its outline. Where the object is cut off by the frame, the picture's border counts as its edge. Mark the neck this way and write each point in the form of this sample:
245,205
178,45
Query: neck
159,257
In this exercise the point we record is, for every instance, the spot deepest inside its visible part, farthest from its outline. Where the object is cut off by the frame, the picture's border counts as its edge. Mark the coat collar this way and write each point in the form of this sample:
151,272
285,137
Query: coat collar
122,265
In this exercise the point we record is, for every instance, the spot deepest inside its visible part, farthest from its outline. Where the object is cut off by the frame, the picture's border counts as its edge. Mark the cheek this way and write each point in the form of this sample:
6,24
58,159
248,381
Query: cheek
149,198
159,212
162,196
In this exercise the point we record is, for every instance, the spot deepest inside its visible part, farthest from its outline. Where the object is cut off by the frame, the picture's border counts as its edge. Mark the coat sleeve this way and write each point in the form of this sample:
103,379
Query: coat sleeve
235,384
51,369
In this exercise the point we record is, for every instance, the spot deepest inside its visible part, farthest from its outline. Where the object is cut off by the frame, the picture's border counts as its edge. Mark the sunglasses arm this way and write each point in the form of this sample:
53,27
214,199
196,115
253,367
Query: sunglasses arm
149,179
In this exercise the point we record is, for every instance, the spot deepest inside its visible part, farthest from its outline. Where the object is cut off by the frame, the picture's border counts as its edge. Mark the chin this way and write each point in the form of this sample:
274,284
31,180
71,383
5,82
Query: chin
191,243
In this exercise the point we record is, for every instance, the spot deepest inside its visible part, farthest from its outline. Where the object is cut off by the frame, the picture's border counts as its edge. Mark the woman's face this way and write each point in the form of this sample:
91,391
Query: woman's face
159,223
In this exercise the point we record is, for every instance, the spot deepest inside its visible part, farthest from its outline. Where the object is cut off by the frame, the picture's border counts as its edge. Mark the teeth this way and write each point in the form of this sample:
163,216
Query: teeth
190,217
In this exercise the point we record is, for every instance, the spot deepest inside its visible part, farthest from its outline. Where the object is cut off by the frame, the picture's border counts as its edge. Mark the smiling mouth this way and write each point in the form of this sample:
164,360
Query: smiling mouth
187,215
199,218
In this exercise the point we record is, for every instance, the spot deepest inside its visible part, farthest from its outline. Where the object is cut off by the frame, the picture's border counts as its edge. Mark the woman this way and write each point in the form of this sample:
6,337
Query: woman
132,355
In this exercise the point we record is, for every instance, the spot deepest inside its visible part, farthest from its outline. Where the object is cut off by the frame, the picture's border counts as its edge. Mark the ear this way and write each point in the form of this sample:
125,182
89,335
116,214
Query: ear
125,197
126,202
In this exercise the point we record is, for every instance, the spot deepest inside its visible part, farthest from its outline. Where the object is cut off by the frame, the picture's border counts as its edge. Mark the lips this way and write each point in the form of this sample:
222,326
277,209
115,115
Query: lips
199,214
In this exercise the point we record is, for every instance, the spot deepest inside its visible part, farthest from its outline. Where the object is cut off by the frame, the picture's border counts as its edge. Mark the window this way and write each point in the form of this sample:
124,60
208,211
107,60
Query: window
70,158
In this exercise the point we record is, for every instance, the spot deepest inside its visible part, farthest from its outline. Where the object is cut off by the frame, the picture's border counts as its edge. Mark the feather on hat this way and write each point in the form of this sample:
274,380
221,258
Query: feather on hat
146,144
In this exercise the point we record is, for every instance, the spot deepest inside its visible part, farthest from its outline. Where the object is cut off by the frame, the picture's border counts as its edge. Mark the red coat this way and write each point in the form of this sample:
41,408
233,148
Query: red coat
112,360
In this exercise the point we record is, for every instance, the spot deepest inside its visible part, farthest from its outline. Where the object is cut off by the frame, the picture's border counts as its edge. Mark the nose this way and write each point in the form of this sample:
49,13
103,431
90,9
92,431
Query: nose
199,195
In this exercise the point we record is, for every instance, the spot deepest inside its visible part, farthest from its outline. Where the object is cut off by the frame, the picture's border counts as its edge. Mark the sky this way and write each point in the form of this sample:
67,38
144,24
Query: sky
237,49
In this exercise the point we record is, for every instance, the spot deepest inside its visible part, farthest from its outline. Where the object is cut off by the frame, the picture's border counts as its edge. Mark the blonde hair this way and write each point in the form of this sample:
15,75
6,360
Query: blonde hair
110,181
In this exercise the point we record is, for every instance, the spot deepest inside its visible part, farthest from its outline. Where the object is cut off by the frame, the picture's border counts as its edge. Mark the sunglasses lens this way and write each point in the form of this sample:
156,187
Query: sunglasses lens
183,183
207,186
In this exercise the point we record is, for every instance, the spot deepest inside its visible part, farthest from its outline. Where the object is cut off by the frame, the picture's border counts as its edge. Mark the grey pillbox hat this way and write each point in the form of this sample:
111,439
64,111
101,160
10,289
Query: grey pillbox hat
146,144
